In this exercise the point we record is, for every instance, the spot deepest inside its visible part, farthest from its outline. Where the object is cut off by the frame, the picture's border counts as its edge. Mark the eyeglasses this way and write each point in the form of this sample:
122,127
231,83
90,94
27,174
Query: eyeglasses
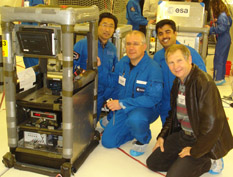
104,25
135,44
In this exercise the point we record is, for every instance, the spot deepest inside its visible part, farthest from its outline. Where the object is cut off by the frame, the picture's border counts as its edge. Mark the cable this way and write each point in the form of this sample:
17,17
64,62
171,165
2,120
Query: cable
20,66
4,171
3,95
139,161
230,104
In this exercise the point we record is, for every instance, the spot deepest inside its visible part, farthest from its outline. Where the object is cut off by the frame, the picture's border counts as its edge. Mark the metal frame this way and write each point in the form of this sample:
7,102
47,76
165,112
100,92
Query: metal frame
118,37
66,17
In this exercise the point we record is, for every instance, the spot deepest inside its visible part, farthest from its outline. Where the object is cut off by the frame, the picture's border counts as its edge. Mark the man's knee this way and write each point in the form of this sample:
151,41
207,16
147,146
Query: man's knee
151,164
137,123
108,141
138,120
154,164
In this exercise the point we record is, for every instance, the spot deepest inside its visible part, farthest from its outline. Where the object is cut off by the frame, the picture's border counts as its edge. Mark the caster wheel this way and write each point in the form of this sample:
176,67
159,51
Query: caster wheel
97,136
8,160
73,170
66,169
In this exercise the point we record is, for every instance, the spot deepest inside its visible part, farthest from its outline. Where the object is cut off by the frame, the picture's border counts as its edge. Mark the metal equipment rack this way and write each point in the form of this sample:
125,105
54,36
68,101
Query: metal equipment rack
63,122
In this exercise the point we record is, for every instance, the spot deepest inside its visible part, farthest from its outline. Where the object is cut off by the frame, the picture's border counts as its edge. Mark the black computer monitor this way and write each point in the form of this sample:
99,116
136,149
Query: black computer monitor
37,41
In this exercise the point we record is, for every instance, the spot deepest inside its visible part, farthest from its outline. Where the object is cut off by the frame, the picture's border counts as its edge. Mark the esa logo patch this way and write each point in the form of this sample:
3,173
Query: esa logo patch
139,89
132,9
75,55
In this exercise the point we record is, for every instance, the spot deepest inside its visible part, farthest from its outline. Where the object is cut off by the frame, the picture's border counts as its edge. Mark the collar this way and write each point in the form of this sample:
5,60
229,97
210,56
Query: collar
102,44
189,76
141,61
180,82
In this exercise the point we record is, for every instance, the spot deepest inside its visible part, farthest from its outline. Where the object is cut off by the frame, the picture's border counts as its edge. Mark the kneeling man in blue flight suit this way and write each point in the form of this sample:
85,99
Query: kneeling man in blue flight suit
138,86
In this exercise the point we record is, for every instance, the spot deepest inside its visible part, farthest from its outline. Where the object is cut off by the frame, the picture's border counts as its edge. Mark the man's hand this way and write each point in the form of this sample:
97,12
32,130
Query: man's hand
114,105
159,143
98,61
185,152
207,26
151,21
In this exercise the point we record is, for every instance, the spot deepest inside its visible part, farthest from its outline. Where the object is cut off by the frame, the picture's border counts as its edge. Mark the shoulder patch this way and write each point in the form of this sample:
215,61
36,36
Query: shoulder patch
75,55
132,9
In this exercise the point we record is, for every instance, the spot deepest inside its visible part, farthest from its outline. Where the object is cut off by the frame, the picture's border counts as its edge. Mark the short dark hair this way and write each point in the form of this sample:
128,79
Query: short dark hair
169,22
108,15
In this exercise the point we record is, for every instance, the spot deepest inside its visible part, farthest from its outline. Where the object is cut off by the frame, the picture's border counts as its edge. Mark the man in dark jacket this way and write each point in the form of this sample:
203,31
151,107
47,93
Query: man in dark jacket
196,129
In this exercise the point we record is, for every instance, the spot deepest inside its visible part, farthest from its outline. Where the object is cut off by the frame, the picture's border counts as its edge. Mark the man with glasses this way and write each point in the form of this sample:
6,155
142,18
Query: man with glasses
107,54
137,84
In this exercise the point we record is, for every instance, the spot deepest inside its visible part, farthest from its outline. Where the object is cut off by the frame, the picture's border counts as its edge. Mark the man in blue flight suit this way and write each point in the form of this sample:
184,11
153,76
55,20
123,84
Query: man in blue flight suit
138,85
106,52
166,33
134,15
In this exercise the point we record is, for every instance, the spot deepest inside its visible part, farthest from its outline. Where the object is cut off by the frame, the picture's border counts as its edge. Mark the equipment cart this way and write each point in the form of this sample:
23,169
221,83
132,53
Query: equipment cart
50,115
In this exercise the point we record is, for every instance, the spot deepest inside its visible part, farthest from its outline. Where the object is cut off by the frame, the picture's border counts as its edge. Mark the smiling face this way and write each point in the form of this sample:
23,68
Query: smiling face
106,29
135,47
178,65
166,36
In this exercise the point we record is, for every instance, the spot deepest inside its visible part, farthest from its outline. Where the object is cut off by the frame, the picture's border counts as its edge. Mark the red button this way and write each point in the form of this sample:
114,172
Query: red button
63,6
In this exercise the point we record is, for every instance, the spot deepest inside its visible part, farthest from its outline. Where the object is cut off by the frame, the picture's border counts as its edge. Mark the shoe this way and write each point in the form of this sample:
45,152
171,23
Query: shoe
216,166
220,82
138,149
104,122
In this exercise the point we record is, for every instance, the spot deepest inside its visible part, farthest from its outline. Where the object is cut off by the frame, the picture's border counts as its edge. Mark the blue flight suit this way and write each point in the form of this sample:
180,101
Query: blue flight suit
134,15
28,61
168,78
108,58
139,97
222,48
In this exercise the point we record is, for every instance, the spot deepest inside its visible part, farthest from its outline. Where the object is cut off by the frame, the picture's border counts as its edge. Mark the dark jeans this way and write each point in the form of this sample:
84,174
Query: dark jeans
170,162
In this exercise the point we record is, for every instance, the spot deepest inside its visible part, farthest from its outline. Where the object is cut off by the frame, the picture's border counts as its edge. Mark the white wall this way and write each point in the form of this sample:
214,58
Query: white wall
11,2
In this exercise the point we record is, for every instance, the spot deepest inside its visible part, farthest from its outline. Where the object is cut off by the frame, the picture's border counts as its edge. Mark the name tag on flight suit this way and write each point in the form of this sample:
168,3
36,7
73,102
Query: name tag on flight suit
121,80
181,99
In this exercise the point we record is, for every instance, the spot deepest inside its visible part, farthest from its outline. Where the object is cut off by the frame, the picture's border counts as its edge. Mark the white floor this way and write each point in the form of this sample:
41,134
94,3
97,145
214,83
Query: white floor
104,162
